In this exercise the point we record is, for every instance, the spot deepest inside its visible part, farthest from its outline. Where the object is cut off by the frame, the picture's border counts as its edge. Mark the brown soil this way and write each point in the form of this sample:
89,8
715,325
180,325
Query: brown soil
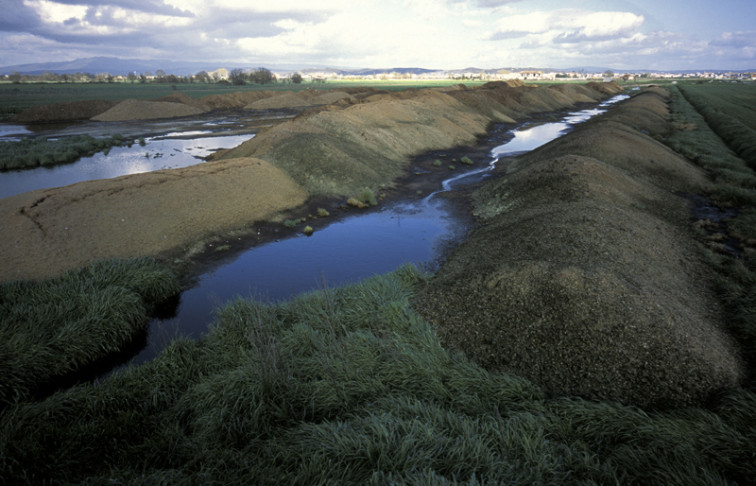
339,151
52,230
146,110
74,110
583,275
365,139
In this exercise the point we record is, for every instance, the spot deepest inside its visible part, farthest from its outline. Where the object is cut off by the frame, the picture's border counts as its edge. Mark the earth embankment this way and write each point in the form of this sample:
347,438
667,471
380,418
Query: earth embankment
362,141
583,275
49,231
338,152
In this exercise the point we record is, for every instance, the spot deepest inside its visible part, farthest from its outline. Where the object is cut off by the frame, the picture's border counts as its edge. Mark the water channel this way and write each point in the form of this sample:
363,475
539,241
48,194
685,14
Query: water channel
346,251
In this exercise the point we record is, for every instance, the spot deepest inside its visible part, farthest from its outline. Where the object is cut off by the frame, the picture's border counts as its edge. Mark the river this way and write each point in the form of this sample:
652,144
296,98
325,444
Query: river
348,250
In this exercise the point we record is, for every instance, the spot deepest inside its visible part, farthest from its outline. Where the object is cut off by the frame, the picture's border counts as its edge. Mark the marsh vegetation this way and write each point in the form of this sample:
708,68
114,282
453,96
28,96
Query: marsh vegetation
352,385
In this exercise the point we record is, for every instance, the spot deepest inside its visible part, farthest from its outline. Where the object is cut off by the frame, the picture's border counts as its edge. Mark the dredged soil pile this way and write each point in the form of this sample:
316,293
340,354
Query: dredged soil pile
583,275
365,139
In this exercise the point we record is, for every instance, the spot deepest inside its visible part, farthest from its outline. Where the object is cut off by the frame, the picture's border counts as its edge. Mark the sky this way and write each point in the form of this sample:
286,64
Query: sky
433,34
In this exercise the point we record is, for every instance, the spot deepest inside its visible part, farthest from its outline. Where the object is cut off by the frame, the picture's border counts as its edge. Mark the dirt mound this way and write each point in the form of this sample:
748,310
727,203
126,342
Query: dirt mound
331,153
184,100
299,99
584,277
236,99
142,214
74,110
147,110
621,137
368,144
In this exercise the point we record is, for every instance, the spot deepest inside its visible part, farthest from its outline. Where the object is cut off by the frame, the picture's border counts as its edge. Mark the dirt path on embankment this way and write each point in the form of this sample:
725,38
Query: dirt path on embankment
584,275
363,140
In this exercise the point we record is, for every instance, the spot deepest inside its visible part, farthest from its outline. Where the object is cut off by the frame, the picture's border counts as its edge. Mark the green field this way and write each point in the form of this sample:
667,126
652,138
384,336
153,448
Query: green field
349,385
730,110
703,114
14,98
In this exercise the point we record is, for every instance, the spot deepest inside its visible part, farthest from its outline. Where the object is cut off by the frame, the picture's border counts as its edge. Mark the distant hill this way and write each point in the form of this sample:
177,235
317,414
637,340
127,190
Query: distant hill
117,66
111,65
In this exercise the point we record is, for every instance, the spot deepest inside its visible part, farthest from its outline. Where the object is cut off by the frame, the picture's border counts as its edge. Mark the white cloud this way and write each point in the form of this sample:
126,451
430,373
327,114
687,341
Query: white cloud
368,33
567,24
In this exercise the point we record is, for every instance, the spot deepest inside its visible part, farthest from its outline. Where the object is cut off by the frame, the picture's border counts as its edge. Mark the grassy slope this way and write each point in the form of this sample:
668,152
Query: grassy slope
56,327
589,283
352,386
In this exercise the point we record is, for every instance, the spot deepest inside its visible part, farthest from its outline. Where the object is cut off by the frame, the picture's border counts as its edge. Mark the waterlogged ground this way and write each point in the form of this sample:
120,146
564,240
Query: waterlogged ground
168,144
349,250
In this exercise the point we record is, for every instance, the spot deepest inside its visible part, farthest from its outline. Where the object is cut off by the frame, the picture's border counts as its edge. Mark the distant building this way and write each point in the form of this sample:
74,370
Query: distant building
531,75
219,74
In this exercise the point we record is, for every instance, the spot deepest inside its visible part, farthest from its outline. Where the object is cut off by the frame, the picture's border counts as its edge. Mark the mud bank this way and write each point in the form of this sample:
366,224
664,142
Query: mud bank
584,276
364,140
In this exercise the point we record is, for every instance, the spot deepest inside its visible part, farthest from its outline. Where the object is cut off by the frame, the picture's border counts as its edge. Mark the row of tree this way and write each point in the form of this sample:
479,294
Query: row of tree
236,76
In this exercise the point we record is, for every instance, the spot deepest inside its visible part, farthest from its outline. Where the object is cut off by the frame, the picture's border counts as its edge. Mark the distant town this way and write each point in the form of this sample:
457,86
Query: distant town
265,76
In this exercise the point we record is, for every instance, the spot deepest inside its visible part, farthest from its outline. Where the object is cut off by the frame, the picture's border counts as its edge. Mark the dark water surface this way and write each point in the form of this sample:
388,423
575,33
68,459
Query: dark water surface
347,250
169,144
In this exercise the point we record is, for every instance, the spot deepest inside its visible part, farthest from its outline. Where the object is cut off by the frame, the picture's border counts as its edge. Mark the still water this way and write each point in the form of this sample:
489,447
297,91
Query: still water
346,251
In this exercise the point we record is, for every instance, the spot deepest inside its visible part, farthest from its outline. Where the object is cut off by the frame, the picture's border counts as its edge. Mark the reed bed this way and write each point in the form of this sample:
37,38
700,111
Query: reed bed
40,151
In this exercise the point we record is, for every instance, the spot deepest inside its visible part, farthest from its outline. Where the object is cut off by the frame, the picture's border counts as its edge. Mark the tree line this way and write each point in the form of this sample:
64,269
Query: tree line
235,76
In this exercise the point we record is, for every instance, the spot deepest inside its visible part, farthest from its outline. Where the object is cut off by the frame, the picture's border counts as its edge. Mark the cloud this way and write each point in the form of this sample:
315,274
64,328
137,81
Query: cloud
146,6
18,17
736,39
568,25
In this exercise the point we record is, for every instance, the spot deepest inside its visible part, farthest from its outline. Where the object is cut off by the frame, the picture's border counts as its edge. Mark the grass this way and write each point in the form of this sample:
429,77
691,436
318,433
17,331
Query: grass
730,112
734,185
351,386
341,386
56,327
367,197
38,151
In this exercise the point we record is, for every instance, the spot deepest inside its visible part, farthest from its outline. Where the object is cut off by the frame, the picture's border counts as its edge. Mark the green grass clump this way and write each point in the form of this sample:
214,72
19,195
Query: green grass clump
466,160
323,213
292,223
55,327
35,152
367,197
437,163
351,386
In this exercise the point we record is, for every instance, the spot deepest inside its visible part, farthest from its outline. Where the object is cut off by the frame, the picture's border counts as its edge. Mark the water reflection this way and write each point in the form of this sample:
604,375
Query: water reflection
157,153
346,251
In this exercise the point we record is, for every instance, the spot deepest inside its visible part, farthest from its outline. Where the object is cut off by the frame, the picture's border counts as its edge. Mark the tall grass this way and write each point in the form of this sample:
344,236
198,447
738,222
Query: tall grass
351,386
55,327
35,152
